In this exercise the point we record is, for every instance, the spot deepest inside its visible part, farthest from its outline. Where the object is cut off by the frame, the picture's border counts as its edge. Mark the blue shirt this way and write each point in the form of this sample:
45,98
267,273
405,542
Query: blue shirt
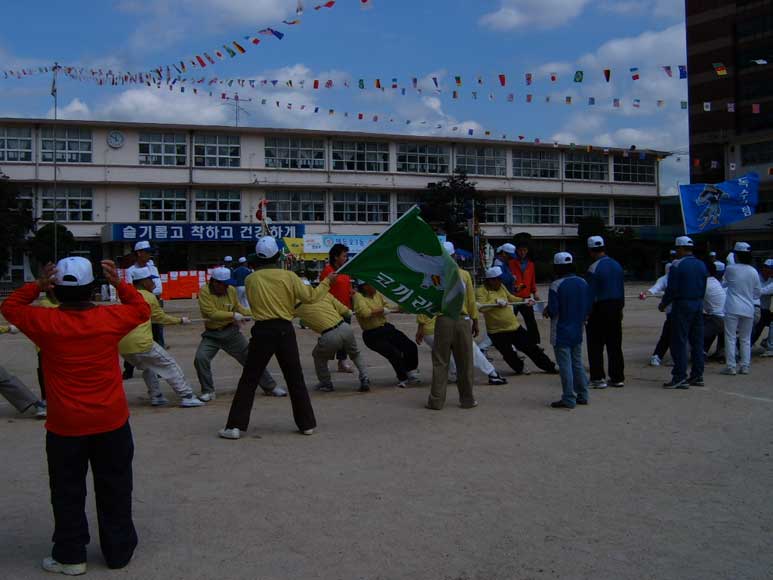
508,280
240,274
686,281
569,303
605,278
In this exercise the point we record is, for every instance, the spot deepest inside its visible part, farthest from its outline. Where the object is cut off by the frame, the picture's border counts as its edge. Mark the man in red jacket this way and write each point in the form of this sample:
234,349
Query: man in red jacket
525,287
88,416
341,290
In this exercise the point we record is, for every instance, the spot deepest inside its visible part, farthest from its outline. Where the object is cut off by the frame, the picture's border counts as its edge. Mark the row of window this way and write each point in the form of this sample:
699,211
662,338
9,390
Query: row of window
75,204
73,145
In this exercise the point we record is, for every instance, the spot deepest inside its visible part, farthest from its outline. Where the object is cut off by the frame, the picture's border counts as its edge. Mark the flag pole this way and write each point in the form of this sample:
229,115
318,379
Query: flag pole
54,93
681,207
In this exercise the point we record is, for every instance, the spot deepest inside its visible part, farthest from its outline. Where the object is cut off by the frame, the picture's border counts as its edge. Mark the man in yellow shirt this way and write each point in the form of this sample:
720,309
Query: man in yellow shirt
221,310
326,318
273,294
455,336
152,359
383,338
16,392
503,327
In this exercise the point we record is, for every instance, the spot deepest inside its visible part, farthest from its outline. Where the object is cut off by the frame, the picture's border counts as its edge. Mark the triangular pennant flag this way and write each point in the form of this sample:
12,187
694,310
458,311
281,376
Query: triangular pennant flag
578,76
502,80
607,74
668,71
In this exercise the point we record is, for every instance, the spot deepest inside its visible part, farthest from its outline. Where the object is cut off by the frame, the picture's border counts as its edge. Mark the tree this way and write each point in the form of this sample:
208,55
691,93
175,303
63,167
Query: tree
15,222
41,246
448,206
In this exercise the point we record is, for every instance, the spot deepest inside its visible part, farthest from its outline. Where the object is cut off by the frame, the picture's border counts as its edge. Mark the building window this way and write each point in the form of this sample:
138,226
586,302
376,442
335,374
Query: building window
218,206
757,153
634,170
360,156
163,149
217,151
481,160
536,210
422,158
15,144
634,212
70,204
495,210
589,166
406,201
293,153
577,208
541,164
73,145
296,206
163,205
361,207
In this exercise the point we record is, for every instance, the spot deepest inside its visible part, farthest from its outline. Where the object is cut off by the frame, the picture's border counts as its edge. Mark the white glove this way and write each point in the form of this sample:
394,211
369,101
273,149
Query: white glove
501,302
13,330
238,317
185,320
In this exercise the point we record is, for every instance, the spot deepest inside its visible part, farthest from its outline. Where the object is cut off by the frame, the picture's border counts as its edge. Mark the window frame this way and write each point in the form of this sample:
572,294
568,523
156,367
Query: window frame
585,162
570,203
18,150
633,169
301,153
178,140
221,196
528,164
537,209
69,202
297,212
208,146
635,214
495,204
479,159
422,154
166,195
363,207
365,154
76,141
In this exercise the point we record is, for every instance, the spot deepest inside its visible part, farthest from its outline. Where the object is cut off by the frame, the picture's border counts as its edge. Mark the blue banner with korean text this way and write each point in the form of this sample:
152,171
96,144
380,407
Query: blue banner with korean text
706,207
222,232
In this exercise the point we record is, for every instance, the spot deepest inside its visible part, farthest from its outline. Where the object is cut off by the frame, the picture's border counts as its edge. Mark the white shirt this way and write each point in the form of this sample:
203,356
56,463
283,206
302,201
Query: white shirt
765,293
714,300
158,287
660,288
743,290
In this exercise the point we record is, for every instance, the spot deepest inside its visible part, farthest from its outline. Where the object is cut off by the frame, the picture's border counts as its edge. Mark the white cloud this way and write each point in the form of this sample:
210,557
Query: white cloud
75,109
665,9
541,14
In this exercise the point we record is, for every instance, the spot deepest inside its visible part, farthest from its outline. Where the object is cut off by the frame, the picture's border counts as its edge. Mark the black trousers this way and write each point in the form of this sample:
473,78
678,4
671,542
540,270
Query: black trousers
713,329
401,352
269,338
605,330
41,379
527,312
507,343
765,319
664,342
110,455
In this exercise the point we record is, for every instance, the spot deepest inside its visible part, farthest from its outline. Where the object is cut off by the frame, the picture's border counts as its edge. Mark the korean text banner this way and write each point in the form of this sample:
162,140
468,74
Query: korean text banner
409,266
707,207
220,232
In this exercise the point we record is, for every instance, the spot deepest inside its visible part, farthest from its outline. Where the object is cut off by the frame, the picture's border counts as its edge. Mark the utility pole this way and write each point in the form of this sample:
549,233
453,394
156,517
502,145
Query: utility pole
54,94
234,102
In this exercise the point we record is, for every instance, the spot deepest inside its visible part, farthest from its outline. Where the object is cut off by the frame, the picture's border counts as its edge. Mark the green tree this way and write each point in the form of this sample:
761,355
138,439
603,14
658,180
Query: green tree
15,221
41,246
448,206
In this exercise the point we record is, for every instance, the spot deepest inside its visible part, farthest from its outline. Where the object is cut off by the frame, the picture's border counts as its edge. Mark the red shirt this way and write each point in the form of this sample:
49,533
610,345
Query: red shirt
341,288
79,350
526,280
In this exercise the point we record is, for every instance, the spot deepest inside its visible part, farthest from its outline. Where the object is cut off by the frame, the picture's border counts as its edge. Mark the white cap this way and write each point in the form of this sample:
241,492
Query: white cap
684,242
730,258
742,247
769,263
563,258
143,245
242,260
266,247
719,266
75,271
673,252
713,254
494,272
595,242
221,274
228,259
507,249
449,248
138,274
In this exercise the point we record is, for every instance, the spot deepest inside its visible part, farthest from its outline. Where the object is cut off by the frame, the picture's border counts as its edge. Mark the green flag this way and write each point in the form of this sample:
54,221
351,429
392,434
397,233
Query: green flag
408,265
578,76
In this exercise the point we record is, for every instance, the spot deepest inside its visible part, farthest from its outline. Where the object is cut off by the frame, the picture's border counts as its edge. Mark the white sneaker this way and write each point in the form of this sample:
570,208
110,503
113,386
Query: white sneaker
402,385
41,410
191,401
413,378
51,565
207,397
767,353
655,361
598,384
229,433
277,392
308,432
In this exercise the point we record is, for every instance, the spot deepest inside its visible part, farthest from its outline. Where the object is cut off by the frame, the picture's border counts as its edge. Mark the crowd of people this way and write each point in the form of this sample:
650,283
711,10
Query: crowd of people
79,344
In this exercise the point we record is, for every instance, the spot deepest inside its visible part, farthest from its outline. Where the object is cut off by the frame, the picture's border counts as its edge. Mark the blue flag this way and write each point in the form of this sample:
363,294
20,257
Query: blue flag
707,207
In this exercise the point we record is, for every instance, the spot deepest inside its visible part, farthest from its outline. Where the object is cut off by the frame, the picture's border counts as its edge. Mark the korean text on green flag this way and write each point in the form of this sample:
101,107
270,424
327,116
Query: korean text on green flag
408,265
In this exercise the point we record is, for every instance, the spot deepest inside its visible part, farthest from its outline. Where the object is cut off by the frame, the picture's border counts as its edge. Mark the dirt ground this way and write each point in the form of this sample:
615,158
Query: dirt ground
642,483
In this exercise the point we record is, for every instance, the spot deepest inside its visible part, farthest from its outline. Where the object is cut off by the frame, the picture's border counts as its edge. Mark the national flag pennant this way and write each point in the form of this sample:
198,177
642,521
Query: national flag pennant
591,100
329,84
394,83
720,69
414,82
553,77
568,100
361,83
272,32
635,73
434,80
529,78
470,132
316,84
578,76
209,58
616,103
668,71
607,74
529,98
201,61
480,80
231,52
502,80
328,4
683,104
378,83
474,95
238,47
458,81
291,22
510,97
455,95
360,116
636,103
682,71
661,103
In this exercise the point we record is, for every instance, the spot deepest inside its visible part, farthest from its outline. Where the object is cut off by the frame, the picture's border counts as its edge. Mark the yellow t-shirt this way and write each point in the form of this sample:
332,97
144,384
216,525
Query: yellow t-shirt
364,307
322,315
218,311
273,293
428,323
141,338
470,307
498,319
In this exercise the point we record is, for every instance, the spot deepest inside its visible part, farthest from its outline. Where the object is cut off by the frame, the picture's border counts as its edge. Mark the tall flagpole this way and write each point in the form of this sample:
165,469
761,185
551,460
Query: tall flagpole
56,208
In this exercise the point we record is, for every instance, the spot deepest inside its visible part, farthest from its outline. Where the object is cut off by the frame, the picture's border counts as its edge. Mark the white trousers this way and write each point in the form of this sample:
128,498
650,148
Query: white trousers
740,326
241,292
156,363
478,359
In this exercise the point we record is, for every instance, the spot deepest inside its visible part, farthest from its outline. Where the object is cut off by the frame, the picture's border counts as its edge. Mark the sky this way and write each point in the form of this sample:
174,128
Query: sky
401,39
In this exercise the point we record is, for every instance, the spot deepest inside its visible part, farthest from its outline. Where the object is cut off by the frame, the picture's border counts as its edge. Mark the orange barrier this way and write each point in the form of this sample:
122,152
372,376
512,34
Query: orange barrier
179,283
